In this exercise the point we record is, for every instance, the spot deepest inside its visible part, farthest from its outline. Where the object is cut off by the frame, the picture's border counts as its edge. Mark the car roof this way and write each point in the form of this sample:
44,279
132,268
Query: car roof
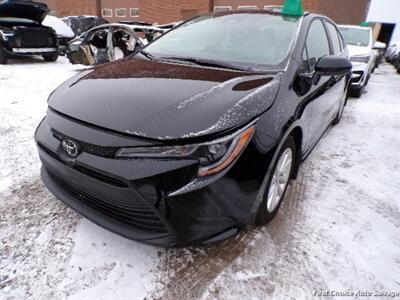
306,15
354,26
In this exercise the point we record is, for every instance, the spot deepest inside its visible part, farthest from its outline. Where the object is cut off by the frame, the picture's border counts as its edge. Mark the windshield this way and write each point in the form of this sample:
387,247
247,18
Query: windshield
256,40
355,36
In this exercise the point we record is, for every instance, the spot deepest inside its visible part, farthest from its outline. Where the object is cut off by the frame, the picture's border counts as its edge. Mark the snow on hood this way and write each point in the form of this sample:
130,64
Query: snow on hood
59,26
358,50
165,101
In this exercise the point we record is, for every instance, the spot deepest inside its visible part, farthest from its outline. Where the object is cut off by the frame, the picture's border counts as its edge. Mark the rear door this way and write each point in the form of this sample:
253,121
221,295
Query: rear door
339,82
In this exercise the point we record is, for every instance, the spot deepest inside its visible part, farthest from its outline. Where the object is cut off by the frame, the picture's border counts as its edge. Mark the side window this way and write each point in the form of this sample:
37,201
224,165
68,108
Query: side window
334,37
317,43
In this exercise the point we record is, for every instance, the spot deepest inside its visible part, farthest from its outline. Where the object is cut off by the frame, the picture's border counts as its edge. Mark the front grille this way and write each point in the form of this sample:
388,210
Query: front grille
133,213
106,152
90,173
34,38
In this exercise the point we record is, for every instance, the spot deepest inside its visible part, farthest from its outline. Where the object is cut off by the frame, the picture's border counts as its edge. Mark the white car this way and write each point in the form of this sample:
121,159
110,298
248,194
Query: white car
64,32
362,53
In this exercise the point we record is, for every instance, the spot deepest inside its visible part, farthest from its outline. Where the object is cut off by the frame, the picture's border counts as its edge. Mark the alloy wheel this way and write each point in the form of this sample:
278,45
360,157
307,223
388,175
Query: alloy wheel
280,179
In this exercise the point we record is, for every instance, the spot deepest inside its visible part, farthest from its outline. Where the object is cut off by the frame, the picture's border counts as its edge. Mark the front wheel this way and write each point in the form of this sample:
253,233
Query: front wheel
278,182
356,92
50,57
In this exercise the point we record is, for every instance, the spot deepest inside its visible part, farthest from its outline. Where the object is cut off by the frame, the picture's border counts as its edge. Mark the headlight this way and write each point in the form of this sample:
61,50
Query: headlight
5,34
360,58
213,156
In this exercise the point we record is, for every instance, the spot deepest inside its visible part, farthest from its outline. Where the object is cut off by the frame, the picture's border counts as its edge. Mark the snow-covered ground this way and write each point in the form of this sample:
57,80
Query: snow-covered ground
338,229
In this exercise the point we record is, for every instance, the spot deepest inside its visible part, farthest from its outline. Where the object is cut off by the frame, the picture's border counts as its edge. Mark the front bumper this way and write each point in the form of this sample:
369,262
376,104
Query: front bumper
129,197
359,76
30,51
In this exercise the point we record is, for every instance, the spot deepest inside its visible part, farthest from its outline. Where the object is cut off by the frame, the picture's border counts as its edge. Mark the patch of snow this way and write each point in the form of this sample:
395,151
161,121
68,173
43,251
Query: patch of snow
59,26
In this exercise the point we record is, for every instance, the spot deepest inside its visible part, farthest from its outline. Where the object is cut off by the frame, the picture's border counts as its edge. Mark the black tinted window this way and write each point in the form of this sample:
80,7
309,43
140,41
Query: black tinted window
317,43
334,37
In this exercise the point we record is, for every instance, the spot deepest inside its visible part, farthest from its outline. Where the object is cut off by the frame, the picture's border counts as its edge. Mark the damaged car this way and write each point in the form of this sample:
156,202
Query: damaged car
81,24
110,42
197,136
22,32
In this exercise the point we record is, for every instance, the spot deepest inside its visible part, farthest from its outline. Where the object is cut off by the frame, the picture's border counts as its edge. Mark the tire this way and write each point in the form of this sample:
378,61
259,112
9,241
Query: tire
3,56
50,57
368,77
269,208
356,92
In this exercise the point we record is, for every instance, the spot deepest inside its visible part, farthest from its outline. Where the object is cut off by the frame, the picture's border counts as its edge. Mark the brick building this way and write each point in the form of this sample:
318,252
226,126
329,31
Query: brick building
165,11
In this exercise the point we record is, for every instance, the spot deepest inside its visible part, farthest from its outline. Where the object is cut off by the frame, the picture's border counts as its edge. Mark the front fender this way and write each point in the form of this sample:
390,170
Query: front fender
260,195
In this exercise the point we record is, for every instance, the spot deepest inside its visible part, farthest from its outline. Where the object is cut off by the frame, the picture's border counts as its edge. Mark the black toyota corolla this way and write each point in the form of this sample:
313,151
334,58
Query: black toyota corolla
196,136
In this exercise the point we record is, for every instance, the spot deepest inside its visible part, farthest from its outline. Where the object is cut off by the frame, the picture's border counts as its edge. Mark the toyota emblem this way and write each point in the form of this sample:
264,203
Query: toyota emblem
70,147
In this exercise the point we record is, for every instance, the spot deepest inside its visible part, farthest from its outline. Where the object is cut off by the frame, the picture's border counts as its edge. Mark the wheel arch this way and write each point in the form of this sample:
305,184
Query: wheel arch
297,131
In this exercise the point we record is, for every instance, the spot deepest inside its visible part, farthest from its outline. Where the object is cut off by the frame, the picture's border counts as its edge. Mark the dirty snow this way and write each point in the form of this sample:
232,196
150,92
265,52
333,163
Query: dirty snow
338,228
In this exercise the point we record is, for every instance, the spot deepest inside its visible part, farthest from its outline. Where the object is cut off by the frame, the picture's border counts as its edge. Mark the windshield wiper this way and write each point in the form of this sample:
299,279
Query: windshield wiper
206,62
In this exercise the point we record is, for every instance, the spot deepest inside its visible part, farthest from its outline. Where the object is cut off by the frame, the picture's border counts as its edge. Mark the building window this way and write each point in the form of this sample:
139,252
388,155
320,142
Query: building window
248,7
274,8
106,12
120,12
222,8
134,12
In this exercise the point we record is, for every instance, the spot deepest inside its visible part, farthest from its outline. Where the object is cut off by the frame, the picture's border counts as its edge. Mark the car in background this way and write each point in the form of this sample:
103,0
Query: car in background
22,32
110,42
196,137
81,24
64,32
380,49
392,51
360,43
393,55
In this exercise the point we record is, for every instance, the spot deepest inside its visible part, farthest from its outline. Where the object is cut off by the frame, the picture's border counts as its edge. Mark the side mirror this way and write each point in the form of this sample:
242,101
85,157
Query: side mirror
333,65
379,46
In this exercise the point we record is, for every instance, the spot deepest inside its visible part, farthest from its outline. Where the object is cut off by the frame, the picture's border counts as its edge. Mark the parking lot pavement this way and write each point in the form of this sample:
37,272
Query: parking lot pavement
338,228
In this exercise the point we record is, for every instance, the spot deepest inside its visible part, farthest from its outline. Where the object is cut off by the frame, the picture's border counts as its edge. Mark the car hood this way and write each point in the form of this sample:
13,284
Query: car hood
62,29
358,50
164,101
23,9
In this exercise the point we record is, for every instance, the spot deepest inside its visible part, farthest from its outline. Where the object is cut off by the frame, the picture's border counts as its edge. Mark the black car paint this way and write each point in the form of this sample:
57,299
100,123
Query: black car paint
25,35
165,101
24,9
211,213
